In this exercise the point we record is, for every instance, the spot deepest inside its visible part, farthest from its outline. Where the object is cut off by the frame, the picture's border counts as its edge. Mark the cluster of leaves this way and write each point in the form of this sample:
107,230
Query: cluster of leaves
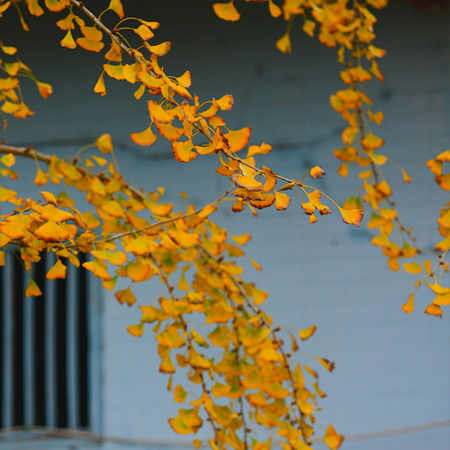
253,381
350,27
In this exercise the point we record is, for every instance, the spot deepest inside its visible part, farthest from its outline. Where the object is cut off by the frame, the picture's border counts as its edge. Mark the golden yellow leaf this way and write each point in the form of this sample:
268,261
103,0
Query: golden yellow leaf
126,296
332,439
116,6
57,271
281,201
144,138
270,355
144,32
100,85
32,289
55,5
98,268
34,8
180,394
136,330
309,27
184,151
242,239
8,160
104,143
443,181
167,367
41,178
87,44
51,232
372,142
433,310
307,333
186,240
225,103
114,257
316,172
139,271
348,95
262,149
354,216
284,43
413,267
247,182
92,33
227,11
160,49
408,307
238,139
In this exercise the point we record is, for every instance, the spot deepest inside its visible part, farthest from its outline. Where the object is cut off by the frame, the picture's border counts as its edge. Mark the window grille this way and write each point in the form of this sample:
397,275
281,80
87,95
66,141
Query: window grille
49,348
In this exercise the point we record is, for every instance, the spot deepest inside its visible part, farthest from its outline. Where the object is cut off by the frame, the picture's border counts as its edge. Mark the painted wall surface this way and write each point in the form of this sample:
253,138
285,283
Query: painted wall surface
392,369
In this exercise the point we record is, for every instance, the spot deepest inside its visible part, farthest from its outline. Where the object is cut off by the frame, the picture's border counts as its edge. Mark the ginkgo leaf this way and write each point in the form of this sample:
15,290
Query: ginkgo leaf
32,289
227,11
100,85
136,330
316,172
92,33
242,239
158,113
408,307
116,6
180,394
262,149
225,103
144,138
57,271
238,139
51,232
307,333
90,45
433,310
281,201
284,43
55,5
144,32
247,182
353,216
332,439
98,268
275,10
126,296
413,267
371,141
160,49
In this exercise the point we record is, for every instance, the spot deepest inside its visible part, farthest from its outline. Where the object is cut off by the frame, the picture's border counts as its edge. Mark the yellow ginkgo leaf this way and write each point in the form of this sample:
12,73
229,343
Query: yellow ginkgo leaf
144,138
307,333
104,143
353,216
126,296
116,6
238,139
284,43
227,11
88,44
57,271
144,32
98,268
99,88
180,394
136,330
433,310
281,201
51,232
32,289
413,267
316,172
92,33
408,307
332,439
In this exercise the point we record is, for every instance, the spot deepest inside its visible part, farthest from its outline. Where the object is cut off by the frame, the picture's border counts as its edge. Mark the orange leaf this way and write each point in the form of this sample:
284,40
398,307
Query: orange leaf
116,6
238,139
51,232
353,216
160,49
332,439
306,334
32,289
246,182
158,113
136,330
57,271
317,172
372,141
225,103
144,138
87,44
284,43
92,33
98,268
262,149
271,180
144,32
104,143
183,151
408,307
49,197
433,310
227,11
126,296
281,201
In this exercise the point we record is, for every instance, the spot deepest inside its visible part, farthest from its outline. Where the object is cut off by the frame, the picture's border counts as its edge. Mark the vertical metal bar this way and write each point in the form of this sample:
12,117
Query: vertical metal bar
95,309
72,347
50,337
28,360
7,386
17,341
